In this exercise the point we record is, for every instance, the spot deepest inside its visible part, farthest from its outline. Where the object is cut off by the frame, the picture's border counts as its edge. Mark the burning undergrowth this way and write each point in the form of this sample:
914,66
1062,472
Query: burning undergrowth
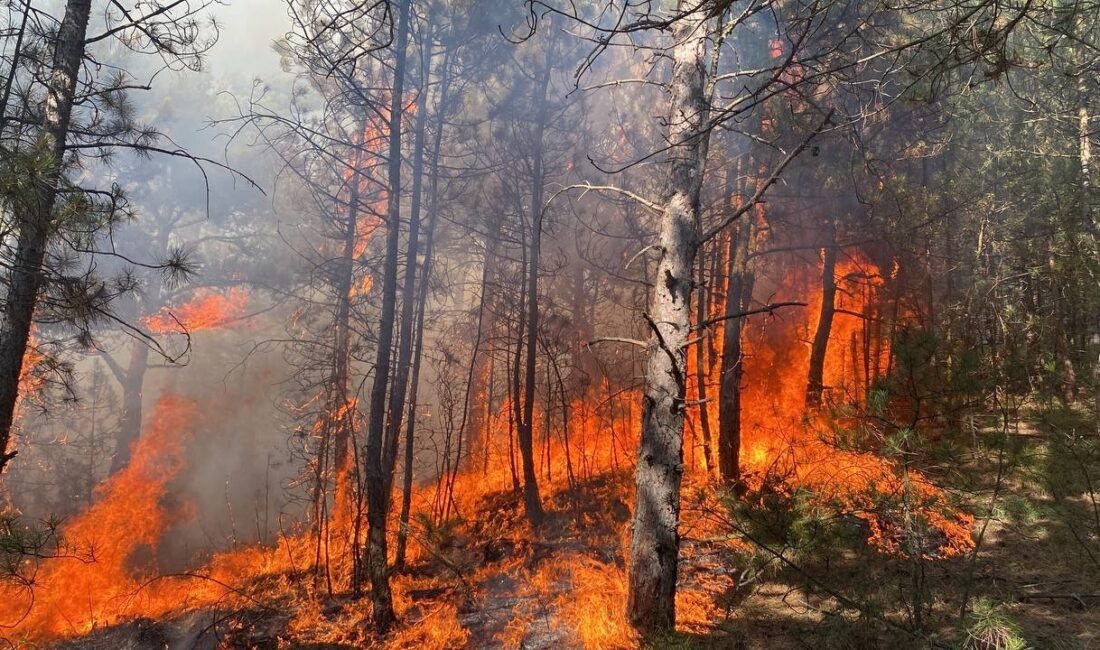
97,576
475,573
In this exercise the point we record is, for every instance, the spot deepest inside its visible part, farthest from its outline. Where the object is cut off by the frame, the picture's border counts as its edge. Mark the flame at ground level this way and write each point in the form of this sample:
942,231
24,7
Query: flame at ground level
101,582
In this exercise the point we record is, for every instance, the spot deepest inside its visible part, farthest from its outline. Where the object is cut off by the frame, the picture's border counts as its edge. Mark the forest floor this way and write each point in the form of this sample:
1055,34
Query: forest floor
486,582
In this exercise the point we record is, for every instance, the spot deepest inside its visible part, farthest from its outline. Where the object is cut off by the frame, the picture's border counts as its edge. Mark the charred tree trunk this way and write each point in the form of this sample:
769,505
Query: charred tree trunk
516,387
815,386
337,411
701,370
400,385
34,218
525,433
654,550
738,295
477,401
379,459
476,404
132,381
422,293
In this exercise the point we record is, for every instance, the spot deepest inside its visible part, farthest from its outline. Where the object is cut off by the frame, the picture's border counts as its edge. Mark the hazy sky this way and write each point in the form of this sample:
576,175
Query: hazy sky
248,29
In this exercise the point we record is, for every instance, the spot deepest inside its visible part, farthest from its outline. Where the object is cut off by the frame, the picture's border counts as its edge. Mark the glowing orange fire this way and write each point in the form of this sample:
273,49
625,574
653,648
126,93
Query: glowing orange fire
100,578
94,582
207,310
30,381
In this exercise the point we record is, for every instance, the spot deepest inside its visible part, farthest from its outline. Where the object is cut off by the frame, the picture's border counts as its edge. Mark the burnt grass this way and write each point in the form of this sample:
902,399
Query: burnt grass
1038,562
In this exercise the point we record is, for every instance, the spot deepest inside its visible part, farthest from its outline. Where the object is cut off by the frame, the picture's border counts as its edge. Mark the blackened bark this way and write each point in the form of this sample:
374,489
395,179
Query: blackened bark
422,292
738,295
525,432
815,386
132,381
340,429
516,388
654,550
701,370
34,219
400,385
378,463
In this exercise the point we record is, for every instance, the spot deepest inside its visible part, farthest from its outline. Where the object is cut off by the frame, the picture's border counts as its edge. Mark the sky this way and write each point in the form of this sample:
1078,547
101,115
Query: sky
248,29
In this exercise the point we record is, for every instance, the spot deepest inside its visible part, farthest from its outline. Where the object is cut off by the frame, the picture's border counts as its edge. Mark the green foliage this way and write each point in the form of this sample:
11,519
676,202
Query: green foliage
989,627
775,519
1019,509
22,543
441,534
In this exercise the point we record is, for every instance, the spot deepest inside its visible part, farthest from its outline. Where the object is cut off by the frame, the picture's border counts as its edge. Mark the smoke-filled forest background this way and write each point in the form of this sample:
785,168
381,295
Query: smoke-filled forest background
443,324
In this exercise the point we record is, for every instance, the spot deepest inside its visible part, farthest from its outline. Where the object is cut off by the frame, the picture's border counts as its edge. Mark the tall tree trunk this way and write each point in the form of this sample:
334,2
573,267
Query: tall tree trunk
13,69
422,293
655,542
400,385
516,387
476,402
338,414
815,386
478,399
525,433
1084,156
702,368
34,219
738,295
378,463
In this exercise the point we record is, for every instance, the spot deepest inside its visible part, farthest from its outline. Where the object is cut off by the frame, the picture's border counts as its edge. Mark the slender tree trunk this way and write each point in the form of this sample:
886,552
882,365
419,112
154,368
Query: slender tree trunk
531,501
654,550
516,388
701,370
337,411
378,462
34,219
421,301
738,294
478,399
407,335
815,386
1084,154
13,70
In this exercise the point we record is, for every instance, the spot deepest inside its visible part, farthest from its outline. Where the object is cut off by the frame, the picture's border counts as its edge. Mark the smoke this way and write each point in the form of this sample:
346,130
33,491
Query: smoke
234,487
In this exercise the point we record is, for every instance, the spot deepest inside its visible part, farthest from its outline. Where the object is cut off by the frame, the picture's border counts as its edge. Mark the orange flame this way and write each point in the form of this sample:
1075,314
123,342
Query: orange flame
95,577
207,310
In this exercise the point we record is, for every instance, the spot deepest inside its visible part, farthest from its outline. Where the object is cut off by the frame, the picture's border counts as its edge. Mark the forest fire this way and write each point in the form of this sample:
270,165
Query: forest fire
803,449
98,576
206,310
784,448
549,325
